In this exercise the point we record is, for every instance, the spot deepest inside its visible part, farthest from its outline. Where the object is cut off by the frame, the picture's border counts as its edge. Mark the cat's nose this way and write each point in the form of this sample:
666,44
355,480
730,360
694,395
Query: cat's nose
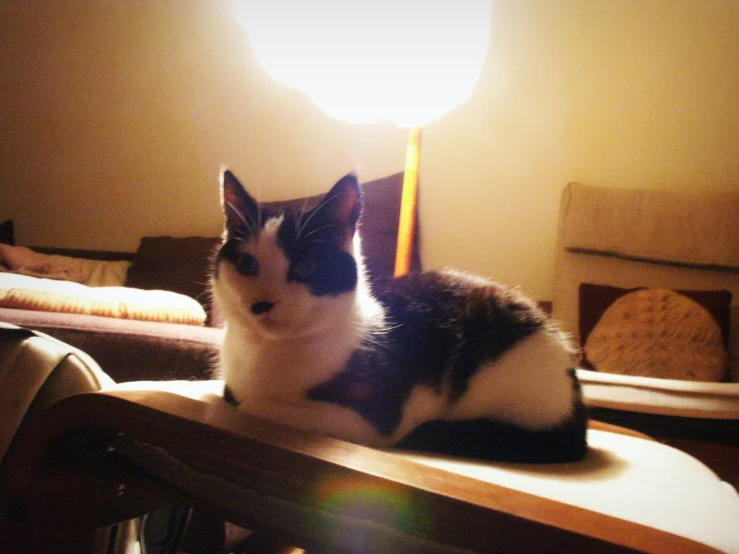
261,307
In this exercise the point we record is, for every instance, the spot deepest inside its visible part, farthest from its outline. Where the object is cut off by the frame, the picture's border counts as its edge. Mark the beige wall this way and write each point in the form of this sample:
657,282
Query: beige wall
116,115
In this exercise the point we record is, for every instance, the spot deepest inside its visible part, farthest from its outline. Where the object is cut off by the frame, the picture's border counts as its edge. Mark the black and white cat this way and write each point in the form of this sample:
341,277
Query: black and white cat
437,361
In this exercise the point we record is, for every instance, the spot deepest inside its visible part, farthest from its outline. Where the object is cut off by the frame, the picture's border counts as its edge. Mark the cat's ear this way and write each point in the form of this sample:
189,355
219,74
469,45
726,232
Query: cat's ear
343,202
240,209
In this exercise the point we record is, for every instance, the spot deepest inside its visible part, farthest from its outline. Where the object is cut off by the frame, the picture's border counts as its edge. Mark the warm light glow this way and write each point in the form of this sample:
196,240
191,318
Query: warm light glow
404,61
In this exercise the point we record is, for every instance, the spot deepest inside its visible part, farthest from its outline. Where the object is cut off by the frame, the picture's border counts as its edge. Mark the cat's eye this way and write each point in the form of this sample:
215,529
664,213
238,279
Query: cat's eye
246,264
304,269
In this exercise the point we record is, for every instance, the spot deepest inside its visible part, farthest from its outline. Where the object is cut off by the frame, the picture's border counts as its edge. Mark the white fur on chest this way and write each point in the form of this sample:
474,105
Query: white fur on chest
302,342
281,369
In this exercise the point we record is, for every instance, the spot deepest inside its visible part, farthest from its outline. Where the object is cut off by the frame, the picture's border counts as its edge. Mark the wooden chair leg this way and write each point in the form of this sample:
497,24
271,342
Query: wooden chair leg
60,501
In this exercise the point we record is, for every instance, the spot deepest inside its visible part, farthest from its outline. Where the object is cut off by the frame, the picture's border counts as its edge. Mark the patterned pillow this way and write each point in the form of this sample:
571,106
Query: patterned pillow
657,333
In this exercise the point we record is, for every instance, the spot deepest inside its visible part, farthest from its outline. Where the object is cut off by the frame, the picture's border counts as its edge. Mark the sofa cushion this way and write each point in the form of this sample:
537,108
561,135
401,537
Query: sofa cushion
655,332
575,265
32,293
130,349
667,226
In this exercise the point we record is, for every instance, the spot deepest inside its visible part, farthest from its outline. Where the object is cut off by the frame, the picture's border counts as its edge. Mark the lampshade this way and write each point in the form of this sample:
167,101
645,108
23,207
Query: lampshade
404,61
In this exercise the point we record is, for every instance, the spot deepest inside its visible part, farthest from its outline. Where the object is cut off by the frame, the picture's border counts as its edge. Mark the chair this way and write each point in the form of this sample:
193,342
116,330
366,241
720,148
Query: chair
91,461
612,239
36,371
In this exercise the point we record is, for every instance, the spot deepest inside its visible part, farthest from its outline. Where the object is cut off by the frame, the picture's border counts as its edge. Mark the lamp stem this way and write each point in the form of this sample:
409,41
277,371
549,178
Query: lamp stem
408,204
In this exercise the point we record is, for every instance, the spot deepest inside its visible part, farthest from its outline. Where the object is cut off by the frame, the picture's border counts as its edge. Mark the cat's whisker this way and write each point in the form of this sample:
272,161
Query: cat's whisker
374,341
299,222
314,231
315,212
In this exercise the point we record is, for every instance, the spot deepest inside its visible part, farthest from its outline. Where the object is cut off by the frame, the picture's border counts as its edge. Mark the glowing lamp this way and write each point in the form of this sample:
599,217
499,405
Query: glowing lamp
403,61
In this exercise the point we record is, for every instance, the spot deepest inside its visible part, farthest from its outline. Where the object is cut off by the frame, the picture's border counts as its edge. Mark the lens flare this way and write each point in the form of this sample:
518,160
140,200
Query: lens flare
343,501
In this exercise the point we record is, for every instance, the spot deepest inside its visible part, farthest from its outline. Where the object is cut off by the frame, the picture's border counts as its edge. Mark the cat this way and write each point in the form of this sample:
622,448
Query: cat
441,362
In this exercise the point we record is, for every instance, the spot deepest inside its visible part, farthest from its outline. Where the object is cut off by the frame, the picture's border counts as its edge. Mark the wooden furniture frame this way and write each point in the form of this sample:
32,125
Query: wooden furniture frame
86,463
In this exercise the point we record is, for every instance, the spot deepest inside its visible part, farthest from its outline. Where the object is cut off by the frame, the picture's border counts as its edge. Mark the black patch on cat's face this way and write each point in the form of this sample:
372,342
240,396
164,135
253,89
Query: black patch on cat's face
314,241
317,258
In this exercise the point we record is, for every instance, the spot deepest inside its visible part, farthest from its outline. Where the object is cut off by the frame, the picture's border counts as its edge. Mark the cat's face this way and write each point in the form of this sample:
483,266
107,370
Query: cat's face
285,273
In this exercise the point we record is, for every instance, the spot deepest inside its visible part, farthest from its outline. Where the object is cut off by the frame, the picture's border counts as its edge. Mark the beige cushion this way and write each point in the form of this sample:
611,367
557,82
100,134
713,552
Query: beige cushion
658,333
625,477
668,397
668,226
32,293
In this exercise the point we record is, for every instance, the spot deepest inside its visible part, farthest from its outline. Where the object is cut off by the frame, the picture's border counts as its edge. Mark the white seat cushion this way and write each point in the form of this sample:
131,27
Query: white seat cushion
630,478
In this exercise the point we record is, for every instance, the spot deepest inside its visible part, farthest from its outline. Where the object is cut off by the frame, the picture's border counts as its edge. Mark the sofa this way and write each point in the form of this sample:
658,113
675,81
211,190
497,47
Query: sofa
132,336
